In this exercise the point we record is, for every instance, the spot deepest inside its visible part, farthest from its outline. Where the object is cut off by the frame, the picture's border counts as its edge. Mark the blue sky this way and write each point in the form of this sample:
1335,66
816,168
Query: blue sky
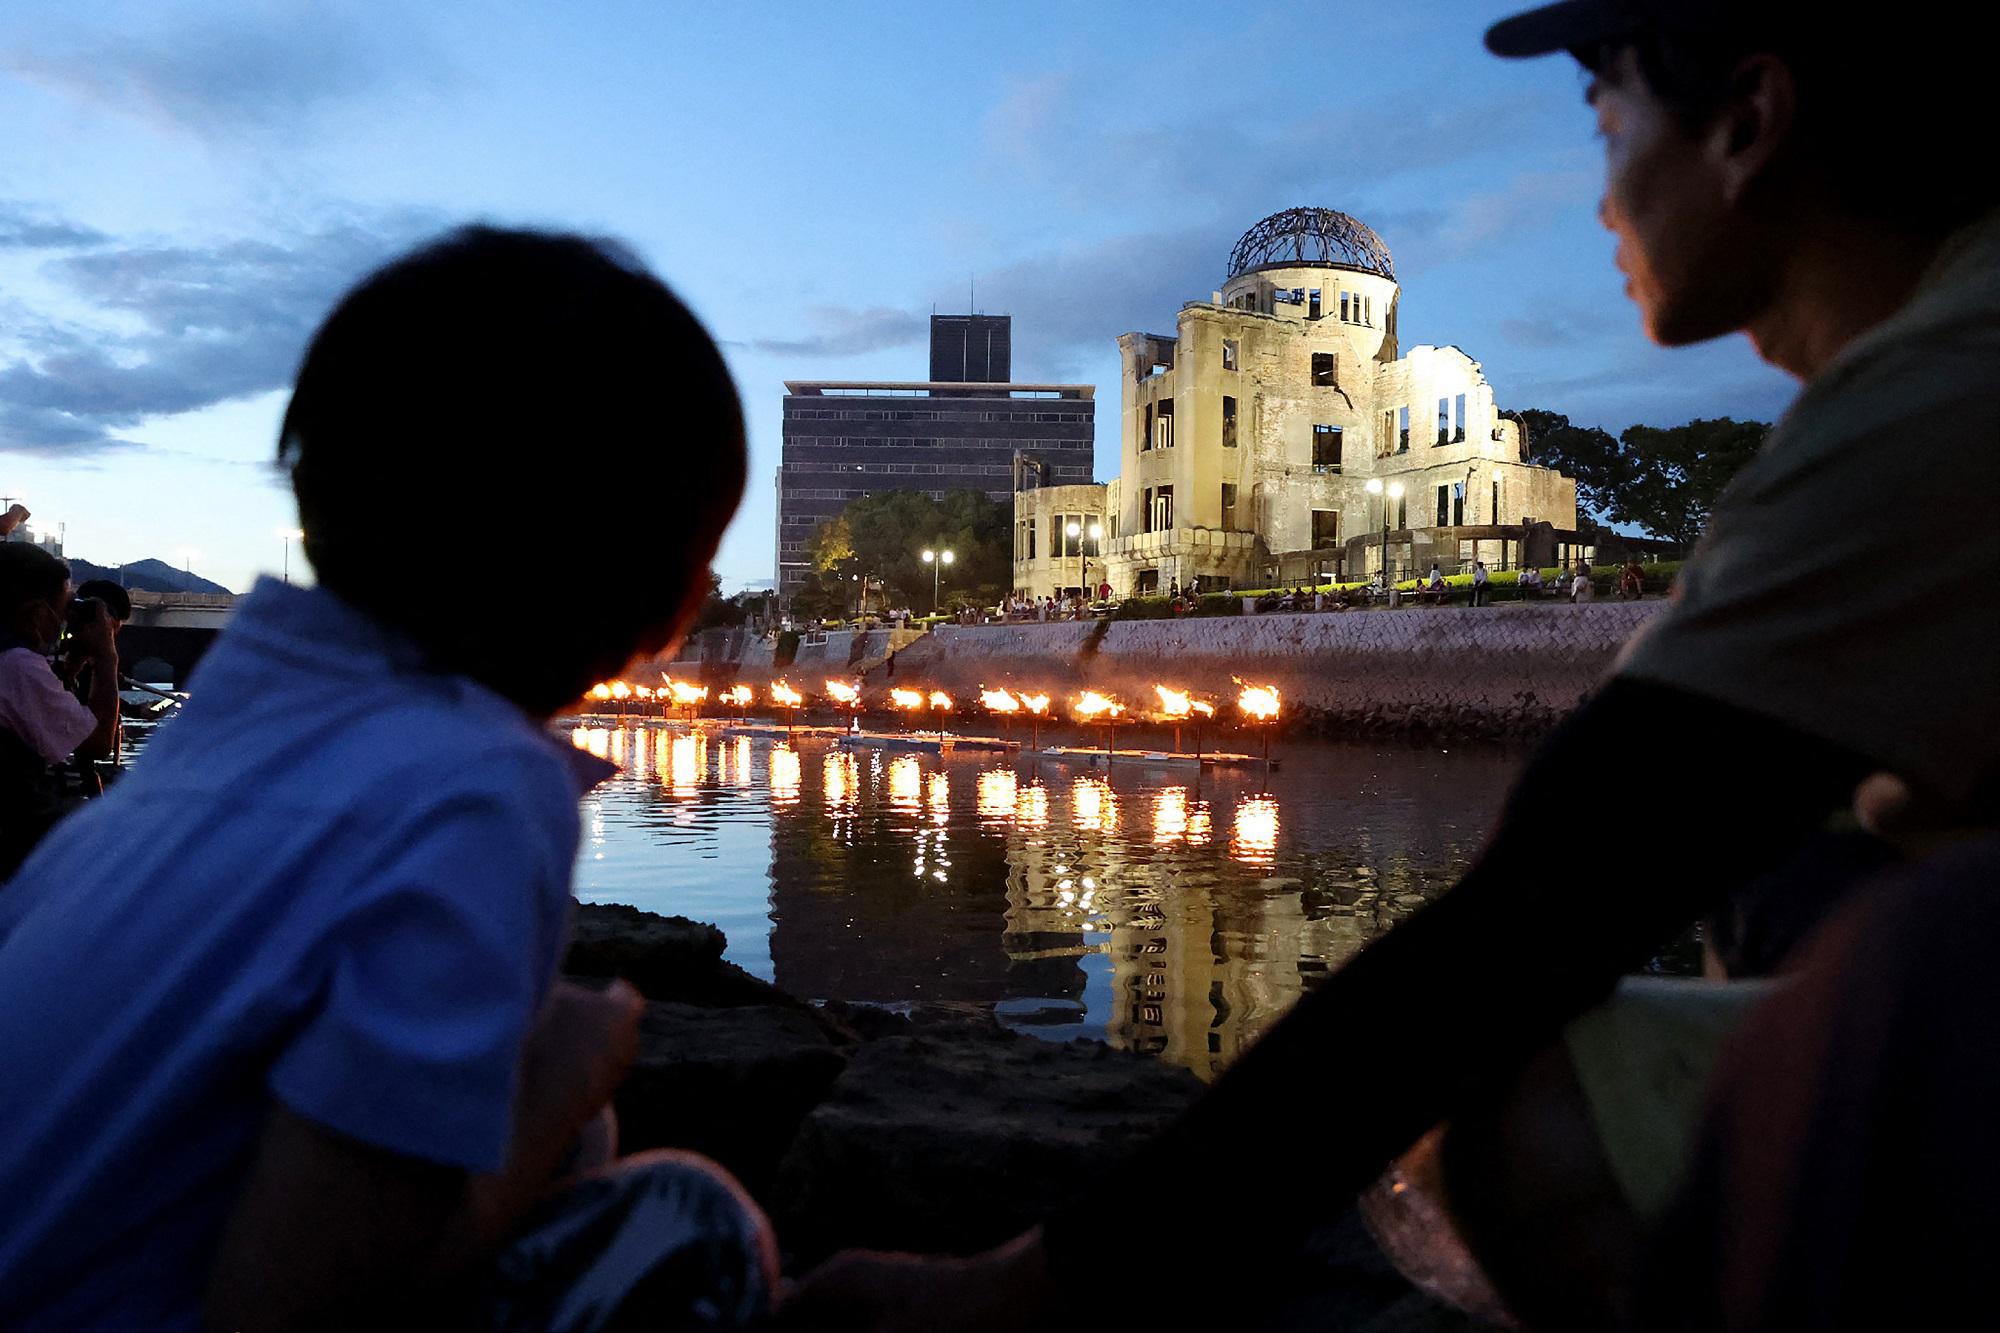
185,188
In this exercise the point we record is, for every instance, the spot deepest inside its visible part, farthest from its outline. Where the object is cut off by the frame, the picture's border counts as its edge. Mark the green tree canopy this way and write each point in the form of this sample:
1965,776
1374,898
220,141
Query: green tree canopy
882,536
1662,480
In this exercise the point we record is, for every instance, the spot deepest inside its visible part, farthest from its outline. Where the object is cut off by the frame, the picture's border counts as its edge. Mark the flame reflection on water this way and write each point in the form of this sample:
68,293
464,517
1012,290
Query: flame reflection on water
1107,904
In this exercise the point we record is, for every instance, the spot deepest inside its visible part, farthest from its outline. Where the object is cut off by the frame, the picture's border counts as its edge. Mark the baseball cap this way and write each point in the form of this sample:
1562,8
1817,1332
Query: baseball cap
1575,25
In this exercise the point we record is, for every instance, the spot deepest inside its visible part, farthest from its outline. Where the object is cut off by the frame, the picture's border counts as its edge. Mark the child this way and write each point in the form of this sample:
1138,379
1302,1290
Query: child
283,1041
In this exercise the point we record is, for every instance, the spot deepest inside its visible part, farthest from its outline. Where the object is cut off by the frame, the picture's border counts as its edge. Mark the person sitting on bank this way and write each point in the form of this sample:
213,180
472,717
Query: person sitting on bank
284,1043
1632,580
1580,589
1530,582
1802,654
42,725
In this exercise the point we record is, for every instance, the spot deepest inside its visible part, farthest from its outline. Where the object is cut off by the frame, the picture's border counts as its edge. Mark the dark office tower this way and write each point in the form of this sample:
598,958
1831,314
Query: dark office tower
846,440
971,349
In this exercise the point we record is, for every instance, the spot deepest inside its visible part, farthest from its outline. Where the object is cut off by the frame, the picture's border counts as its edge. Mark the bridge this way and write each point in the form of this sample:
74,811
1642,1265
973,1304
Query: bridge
175,628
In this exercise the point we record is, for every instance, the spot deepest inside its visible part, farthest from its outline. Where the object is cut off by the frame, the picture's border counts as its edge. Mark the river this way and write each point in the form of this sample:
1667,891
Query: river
1144,907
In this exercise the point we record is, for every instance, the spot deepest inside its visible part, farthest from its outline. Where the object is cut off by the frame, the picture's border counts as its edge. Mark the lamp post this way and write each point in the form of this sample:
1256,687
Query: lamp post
290,535
1096,534
1394,491
937,560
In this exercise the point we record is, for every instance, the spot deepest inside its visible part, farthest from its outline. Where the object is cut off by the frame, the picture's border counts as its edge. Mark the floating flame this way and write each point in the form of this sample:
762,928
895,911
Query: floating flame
911,699
1090,705
999,701
600,691
642,691
1174,703
1035,703
941,701
783,695
620,690
843,693
686,694
741,696
1205,708
1259,701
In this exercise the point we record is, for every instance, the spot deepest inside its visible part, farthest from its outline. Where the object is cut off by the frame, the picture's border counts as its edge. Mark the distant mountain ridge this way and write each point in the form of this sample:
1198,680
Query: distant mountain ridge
145,576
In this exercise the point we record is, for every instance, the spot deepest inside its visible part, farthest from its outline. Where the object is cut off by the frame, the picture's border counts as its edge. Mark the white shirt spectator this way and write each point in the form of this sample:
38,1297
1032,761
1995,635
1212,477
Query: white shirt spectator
35,706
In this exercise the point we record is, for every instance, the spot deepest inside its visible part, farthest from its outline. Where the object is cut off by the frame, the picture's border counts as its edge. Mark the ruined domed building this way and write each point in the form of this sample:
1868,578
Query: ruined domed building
1269,439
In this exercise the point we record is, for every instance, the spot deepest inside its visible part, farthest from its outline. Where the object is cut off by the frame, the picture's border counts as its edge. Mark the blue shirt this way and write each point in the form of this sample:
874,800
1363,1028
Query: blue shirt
339,879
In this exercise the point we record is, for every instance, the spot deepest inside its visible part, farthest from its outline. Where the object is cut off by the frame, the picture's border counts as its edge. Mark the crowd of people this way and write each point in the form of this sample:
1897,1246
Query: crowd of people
283,1041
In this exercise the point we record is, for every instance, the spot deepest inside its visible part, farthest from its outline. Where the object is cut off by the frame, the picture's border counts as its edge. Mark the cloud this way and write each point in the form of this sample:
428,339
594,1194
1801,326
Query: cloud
26,228
844,331
268,69
177,328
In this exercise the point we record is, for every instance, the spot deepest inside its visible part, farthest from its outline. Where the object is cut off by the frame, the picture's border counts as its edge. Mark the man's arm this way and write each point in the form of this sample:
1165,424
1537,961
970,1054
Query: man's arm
96,646
1452,1000
330,1231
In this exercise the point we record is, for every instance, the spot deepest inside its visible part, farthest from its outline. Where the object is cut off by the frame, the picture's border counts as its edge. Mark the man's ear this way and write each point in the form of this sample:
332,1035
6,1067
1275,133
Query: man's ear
1755,124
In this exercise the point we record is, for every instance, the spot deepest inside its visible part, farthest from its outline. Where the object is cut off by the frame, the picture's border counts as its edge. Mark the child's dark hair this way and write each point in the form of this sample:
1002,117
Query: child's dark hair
520,449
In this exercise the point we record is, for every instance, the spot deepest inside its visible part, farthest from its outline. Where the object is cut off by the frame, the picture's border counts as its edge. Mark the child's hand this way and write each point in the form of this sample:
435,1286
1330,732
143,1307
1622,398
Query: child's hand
581,1049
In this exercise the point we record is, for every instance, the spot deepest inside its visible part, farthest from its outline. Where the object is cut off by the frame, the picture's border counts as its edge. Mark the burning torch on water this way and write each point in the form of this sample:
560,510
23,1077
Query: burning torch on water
1259,703
1092,707
785,697
1179,706
846,694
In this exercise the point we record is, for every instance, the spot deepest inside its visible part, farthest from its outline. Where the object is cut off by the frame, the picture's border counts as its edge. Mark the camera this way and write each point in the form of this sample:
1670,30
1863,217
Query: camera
84,611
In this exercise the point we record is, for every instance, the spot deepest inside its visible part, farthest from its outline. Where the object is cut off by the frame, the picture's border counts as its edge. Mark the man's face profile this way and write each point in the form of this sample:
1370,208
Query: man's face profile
1664,202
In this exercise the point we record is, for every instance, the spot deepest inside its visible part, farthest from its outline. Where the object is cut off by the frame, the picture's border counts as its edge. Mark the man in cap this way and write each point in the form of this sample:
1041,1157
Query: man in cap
1773,170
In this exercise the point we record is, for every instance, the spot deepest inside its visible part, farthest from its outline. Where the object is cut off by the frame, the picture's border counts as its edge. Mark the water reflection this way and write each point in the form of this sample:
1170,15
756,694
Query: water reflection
1071,903
1255,840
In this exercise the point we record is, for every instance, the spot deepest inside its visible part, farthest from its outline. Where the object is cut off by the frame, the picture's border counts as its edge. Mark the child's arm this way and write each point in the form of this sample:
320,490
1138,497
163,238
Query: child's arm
329,1228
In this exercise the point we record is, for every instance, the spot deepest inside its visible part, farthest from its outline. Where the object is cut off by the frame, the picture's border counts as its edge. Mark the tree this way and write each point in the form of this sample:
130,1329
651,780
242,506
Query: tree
887,533
1664,481
1676,474
1587,453
831,544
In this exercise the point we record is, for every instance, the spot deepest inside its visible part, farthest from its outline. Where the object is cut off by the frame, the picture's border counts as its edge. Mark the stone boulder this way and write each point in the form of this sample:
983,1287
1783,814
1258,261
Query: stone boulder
665,957
953,1139
731,1083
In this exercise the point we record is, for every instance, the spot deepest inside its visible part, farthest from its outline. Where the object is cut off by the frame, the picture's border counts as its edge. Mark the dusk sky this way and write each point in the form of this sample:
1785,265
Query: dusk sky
184,190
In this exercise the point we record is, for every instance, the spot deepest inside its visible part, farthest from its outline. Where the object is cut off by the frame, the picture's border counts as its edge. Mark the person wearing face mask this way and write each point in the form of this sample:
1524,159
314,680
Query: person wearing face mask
41,723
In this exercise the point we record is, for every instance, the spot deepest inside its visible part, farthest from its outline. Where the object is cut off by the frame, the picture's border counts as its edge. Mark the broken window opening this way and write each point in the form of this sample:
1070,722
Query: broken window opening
1402,430
1229,353
1228,422
1458,420
1325,528
1323,369
1163,425
1326,448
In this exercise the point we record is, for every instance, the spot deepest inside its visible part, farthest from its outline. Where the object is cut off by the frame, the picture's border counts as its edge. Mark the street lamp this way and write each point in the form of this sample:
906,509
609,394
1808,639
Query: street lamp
1096,544
937,560
1394,492
290,535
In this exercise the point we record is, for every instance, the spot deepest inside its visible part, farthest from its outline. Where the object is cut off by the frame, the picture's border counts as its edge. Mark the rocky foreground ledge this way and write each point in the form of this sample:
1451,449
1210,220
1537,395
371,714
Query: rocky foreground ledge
932,1131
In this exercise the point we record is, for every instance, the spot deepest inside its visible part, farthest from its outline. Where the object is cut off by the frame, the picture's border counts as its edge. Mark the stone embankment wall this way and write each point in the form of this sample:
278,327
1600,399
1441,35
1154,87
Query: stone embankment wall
1508,670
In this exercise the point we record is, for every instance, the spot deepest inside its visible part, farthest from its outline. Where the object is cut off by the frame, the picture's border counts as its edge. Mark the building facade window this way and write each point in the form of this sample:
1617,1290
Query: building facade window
1228,422
1323,370
1402,430
1326,528
1159,508
1493,514
1458,419
1146,429
1163,425
1444,505
1229,506
1229,351
1326,448
1312,304
1444,421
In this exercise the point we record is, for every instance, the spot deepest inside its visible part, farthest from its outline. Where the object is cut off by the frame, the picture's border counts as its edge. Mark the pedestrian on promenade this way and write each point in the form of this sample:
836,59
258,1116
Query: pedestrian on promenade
284,1043
1579,583
1801,655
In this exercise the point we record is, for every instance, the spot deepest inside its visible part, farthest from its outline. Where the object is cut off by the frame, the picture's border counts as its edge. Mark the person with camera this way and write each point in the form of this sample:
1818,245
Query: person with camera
42,725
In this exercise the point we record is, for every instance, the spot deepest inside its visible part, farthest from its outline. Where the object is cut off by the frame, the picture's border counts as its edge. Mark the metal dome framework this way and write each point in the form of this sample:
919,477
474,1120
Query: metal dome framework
1312,237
